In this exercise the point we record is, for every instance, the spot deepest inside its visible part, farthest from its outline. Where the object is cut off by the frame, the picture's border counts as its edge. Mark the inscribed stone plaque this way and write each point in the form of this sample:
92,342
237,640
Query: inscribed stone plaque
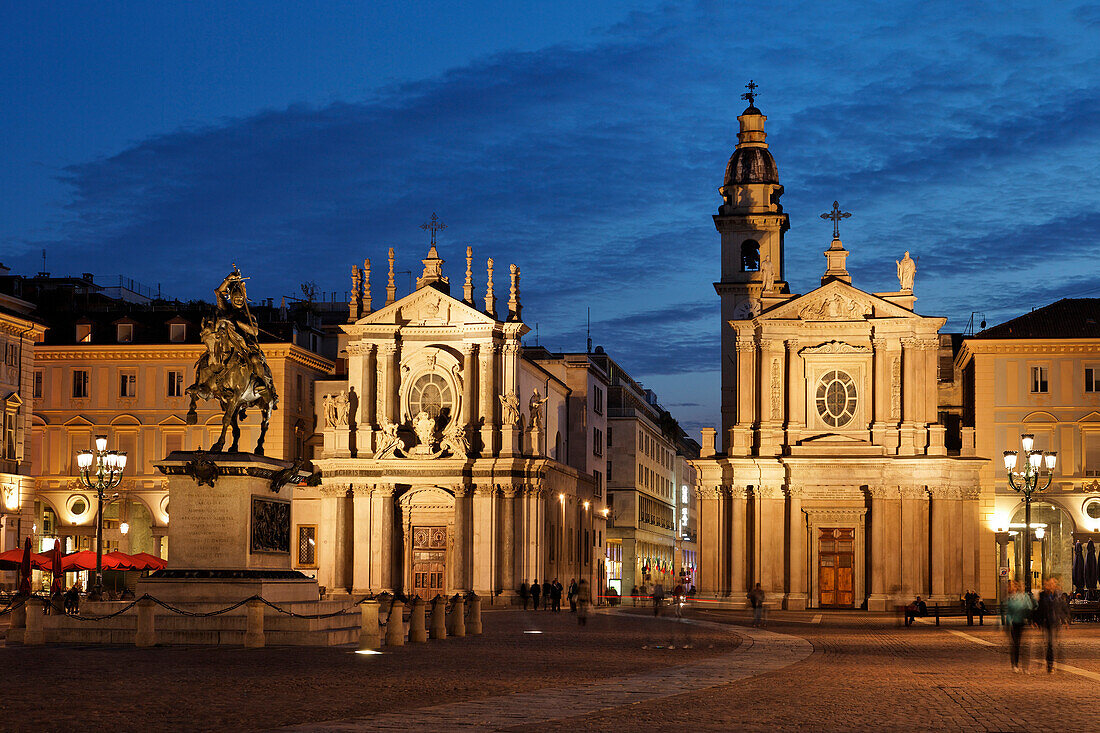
270,525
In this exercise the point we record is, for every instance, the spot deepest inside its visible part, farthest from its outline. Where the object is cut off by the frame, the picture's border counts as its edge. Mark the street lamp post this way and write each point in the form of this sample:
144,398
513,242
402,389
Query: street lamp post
100,471
1027,482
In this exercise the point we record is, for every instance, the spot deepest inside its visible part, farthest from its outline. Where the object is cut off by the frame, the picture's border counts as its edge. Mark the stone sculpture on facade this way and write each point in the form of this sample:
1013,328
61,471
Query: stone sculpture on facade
455,442
509,404
233,369
390,444
767,274
534,407
424,427
907,270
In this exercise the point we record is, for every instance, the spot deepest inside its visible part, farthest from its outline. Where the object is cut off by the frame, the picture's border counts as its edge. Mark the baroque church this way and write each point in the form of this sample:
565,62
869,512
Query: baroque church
446,461
829,483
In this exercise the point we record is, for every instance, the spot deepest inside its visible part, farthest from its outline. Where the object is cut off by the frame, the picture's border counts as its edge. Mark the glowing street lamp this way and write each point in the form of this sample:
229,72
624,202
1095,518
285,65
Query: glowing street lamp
100,471
1027,482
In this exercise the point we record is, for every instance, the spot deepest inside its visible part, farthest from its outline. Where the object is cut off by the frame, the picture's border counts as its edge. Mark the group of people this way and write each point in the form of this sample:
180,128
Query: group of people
1049,613
579,596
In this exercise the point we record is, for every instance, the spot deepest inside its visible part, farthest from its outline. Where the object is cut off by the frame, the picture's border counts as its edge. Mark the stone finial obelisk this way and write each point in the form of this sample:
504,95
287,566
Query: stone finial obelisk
367,307
468,288
391,290
490,299
354,298
513,295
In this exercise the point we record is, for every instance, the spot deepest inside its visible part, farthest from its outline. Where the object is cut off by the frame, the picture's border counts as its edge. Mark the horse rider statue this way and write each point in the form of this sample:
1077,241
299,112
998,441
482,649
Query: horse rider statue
233,369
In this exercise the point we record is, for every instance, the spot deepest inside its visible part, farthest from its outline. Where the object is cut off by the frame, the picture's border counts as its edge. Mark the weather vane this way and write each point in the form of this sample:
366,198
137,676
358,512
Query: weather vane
836,215
751,93
433,226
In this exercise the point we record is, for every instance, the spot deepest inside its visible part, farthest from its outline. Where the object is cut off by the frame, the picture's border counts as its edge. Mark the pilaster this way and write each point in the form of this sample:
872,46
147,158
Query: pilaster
487,385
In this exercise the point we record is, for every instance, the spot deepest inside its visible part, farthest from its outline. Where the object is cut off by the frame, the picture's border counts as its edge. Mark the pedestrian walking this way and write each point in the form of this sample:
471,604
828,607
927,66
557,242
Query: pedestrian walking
547,591
555,594
523,594
634,596
535,593
1017,612
584,600
573,588
756,600
970,601
1049,616
658,598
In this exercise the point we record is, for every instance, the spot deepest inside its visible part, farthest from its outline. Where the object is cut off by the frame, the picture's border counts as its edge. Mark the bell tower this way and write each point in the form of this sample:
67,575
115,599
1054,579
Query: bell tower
751,223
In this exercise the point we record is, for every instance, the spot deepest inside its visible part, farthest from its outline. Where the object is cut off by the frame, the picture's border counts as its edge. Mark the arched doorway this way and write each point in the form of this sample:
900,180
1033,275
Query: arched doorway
1051,544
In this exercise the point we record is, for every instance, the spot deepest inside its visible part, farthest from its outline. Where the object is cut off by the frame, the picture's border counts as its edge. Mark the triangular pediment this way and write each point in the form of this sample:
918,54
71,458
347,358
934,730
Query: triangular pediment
836,300
426,307
79,421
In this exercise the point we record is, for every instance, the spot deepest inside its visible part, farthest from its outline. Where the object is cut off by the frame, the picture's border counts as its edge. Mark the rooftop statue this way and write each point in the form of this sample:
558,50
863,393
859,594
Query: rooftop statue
233,369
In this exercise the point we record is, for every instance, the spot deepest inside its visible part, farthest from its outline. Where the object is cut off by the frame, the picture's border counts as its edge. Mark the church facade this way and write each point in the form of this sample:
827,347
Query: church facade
829,482
446,462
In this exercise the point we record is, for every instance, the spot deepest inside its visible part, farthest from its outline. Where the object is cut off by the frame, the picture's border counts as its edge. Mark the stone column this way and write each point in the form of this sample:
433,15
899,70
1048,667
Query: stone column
390,405
796,392
796,540
912,395
382,529
366,389
469,391
333,551
508,580
361,580
484,557
740,553
487,386
942,519
971,539
710,540
742,439
769,542
1002,562
461,547
914,503
878,600
772,397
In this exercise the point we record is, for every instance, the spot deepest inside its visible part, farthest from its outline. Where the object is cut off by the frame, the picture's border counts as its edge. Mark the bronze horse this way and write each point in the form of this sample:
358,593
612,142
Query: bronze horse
238,379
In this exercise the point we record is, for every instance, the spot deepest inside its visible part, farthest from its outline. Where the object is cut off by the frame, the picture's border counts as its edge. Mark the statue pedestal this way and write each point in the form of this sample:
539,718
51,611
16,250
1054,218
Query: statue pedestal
229,540
338,442
509,441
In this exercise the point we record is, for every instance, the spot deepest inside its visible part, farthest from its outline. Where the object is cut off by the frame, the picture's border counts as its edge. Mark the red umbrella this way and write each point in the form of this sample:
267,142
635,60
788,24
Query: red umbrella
58,585
85,560
25,570
12,559
125,562
149,562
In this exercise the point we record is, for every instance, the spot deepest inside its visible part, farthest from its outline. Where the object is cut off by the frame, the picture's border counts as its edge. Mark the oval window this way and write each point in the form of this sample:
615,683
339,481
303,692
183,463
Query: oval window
836,398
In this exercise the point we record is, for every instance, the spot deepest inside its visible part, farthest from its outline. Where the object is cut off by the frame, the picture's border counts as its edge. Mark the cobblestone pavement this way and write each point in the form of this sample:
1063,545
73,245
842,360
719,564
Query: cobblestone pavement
231,688
867,673
760,652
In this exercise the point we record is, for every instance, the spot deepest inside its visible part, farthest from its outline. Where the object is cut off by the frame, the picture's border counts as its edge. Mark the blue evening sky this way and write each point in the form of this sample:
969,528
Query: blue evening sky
583,141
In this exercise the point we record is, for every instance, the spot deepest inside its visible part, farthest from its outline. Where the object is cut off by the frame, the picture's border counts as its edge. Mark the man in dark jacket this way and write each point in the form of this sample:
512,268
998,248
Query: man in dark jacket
535,593
555,594
523,593
1049,615
547,591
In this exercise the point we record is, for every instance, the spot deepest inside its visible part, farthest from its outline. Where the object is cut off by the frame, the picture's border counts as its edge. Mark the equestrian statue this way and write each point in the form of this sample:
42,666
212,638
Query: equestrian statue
233,369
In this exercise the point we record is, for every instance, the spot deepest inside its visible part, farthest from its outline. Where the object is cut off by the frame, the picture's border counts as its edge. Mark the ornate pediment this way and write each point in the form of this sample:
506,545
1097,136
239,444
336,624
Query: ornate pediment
835,347
425,307
836,301
835,307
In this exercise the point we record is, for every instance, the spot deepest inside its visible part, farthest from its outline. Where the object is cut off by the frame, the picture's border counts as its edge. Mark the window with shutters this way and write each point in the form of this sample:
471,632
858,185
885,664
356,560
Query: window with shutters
307,545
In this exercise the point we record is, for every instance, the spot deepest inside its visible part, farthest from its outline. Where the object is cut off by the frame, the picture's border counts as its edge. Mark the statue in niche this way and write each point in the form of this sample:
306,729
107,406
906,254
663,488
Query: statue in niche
767,274
907,270
343,408
509,404
328,409
424,427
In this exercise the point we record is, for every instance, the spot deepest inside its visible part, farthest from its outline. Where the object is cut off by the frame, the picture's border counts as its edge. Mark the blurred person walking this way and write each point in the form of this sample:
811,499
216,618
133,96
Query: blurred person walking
1017,612
1049,616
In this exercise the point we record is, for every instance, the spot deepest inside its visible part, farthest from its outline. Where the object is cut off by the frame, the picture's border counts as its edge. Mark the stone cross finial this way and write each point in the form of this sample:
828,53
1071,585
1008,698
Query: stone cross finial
354,298
366,288
391,290
468,288
513,295
751,93
835,216
490,298
433,225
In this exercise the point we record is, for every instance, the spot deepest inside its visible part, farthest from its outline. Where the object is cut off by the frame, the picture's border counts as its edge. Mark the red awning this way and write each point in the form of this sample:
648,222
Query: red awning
14,557
152,562
137,561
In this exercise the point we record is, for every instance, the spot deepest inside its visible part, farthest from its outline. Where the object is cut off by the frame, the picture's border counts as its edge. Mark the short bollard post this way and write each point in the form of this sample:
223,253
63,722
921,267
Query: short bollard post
457,624
474,627
18,626
34,636
439,618
146,630
418,632
395,625
254,631
369,638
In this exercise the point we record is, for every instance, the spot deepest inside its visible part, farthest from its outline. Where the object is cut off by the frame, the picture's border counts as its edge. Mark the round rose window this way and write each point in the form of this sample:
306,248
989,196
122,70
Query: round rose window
836,398
431,394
